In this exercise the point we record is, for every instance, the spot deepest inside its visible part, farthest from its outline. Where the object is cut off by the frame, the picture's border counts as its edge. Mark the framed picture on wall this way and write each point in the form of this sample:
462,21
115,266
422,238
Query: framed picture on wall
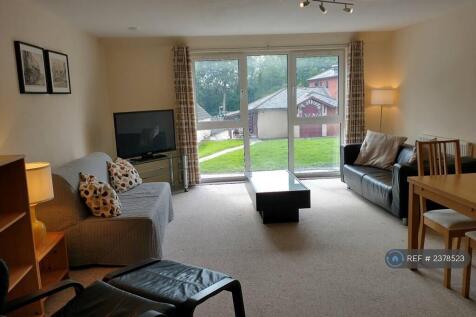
57,69
31,68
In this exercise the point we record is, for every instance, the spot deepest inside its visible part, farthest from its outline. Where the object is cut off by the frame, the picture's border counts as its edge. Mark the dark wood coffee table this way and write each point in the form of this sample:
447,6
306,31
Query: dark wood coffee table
277,195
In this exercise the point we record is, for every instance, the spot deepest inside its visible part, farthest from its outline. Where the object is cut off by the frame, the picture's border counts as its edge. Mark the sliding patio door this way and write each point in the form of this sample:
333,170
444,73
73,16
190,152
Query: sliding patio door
280,110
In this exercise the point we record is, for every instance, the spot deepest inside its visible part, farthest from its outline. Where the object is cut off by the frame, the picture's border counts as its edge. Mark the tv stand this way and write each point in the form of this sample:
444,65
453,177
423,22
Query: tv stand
146,158
157,167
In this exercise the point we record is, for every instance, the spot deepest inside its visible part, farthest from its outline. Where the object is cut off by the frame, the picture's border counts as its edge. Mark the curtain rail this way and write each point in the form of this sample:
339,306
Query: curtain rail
268,49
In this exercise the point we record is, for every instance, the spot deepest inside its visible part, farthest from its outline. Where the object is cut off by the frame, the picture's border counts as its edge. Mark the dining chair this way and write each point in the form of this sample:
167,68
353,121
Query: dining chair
470,245
436,157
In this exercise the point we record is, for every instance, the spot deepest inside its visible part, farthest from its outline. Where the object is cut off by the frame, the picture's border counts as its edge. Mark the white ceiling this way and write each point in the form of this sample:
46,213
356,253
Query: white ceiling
110,18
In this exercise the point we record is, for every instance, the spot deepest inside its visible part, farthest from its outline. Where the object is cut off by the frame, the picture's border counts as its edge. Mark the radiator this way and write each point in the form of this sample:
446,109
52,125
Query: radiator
467,148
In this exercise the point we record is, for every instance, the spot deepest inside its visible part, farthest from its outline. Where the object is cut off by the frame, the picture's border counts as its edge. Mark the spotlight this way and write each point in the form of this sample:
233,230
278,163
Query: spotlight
322,8
348,9
304,3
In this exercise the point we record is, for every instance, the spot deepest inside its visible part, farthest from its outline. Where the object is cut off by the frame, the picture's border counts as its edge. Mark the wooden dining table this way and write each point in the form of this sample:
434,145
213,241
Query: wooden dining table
457,192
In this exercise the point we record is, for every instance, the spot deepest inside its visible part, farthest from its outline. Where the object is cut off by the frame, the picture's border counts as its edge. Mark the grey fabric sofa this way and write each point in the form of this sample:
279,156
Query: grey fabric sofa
135,235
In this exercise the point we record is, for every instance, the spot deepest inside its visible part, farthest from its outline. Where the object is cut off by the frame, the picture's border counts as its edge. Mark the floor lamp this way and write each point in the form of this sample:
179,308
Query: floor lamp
382,97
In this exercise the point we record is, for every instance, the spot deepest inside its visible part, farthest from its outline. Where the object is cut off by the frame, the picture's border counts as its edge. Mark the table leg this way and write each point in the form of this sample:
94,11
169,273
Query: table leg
467,270
413,218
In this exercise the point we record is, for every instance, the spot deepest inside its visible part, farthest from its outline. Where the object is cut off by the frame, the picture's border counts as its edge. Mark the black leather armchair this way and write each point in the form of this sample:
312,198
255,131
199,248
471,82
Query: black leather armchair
387,188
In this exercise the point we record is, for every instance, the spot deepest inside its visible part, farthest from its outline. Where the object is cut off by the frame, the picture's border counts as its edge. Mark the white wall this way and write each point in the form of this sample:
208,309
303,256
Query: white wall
435,67
378,73
55,128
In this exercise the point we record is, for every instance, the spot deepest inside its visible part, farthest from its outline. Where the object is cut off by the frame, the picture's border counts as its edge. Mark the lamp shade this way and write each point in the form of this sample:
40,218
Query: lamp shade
382,97
40,184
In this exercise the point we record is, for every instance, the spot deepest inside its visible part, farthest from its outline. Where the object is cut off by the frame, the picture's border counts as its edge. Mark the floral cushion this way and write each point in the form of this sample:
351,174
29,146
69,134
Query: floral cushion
123,175
100,197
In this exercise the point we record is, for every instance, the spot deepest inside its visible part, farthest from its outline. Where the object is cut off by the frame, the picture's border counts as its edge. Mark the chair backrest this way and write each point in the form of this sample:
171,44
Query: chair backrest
437,154
3,284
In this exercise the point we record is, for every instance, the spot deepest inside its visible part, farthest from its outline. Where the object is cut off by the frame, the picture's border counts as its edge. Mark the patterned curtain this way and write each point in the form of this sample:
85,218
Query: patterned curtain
186,124
354,106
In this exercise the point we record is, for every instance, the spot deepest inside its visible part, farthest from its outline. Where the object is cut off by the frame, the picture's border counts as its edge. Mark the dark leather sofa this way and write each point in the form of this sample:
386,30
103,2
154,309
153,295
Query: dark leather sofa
386,188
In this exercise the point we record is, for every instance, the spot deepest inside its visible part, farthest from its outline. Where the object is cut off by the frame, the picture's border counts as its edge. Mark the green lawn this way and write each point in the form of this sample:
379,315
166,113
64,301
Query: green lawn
273,154
206,148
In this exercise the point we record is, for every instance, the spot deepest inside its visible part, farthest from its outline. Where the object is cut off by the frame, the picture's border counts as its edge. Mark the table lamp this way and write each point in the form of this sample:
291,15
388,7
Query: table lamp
40,189
382,97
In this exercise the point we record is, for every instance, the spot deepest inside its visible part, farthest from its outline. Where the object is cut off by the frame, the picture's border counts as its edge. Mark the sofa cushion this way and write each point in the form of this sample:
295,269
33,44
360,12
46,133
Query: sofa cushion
377,187
100,197
123,175
353,175
379,150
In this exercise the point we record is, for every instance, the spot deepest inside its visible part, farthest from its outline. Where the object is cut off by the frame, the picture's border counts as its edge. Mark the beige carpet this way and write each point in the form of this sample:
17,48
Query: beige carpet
330,264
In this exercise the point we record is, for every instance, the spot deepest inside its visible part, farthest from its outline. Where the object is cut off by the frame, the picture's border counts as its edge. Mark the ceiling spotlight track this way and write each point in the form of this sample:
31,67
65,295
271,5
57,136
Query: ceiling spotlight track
348,6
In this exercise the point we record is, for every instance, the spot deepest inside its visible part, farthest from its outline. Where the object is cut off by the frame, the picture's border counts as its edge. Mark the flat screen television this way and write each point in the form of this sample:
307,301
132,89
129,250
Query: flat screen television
144,134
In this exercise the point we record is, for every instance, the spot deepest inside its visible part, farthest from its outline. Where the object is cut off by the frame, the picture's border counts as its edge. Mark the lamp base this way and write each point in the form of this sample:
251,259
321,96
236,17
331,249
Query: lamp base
38,228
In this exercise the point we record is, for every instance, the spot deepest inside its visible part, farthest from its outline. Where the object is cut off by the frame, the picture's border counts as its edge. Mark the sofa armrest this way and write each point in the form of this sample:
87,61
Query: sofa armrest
350,152
348,155
400,173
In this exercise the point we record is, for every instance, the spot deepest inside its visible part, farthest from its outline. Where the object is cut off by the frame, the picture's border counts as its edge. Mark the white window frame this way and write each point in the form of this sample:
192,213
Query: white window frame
292,54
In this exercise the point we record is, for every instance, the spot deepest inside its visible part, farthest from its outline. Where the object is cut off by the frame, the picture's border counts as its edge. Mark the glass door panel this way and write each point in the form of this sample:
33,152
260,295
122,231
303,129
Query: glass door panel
316,147
218,109
268,111
221,151
317,86
217,90
317,121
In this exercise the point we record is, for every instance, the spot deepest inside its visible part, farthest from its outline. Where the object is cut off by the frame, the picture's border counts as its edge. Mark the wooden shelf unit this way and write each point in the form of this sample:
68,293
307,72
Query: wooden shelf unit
17,273
17,247
52,259
10,218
